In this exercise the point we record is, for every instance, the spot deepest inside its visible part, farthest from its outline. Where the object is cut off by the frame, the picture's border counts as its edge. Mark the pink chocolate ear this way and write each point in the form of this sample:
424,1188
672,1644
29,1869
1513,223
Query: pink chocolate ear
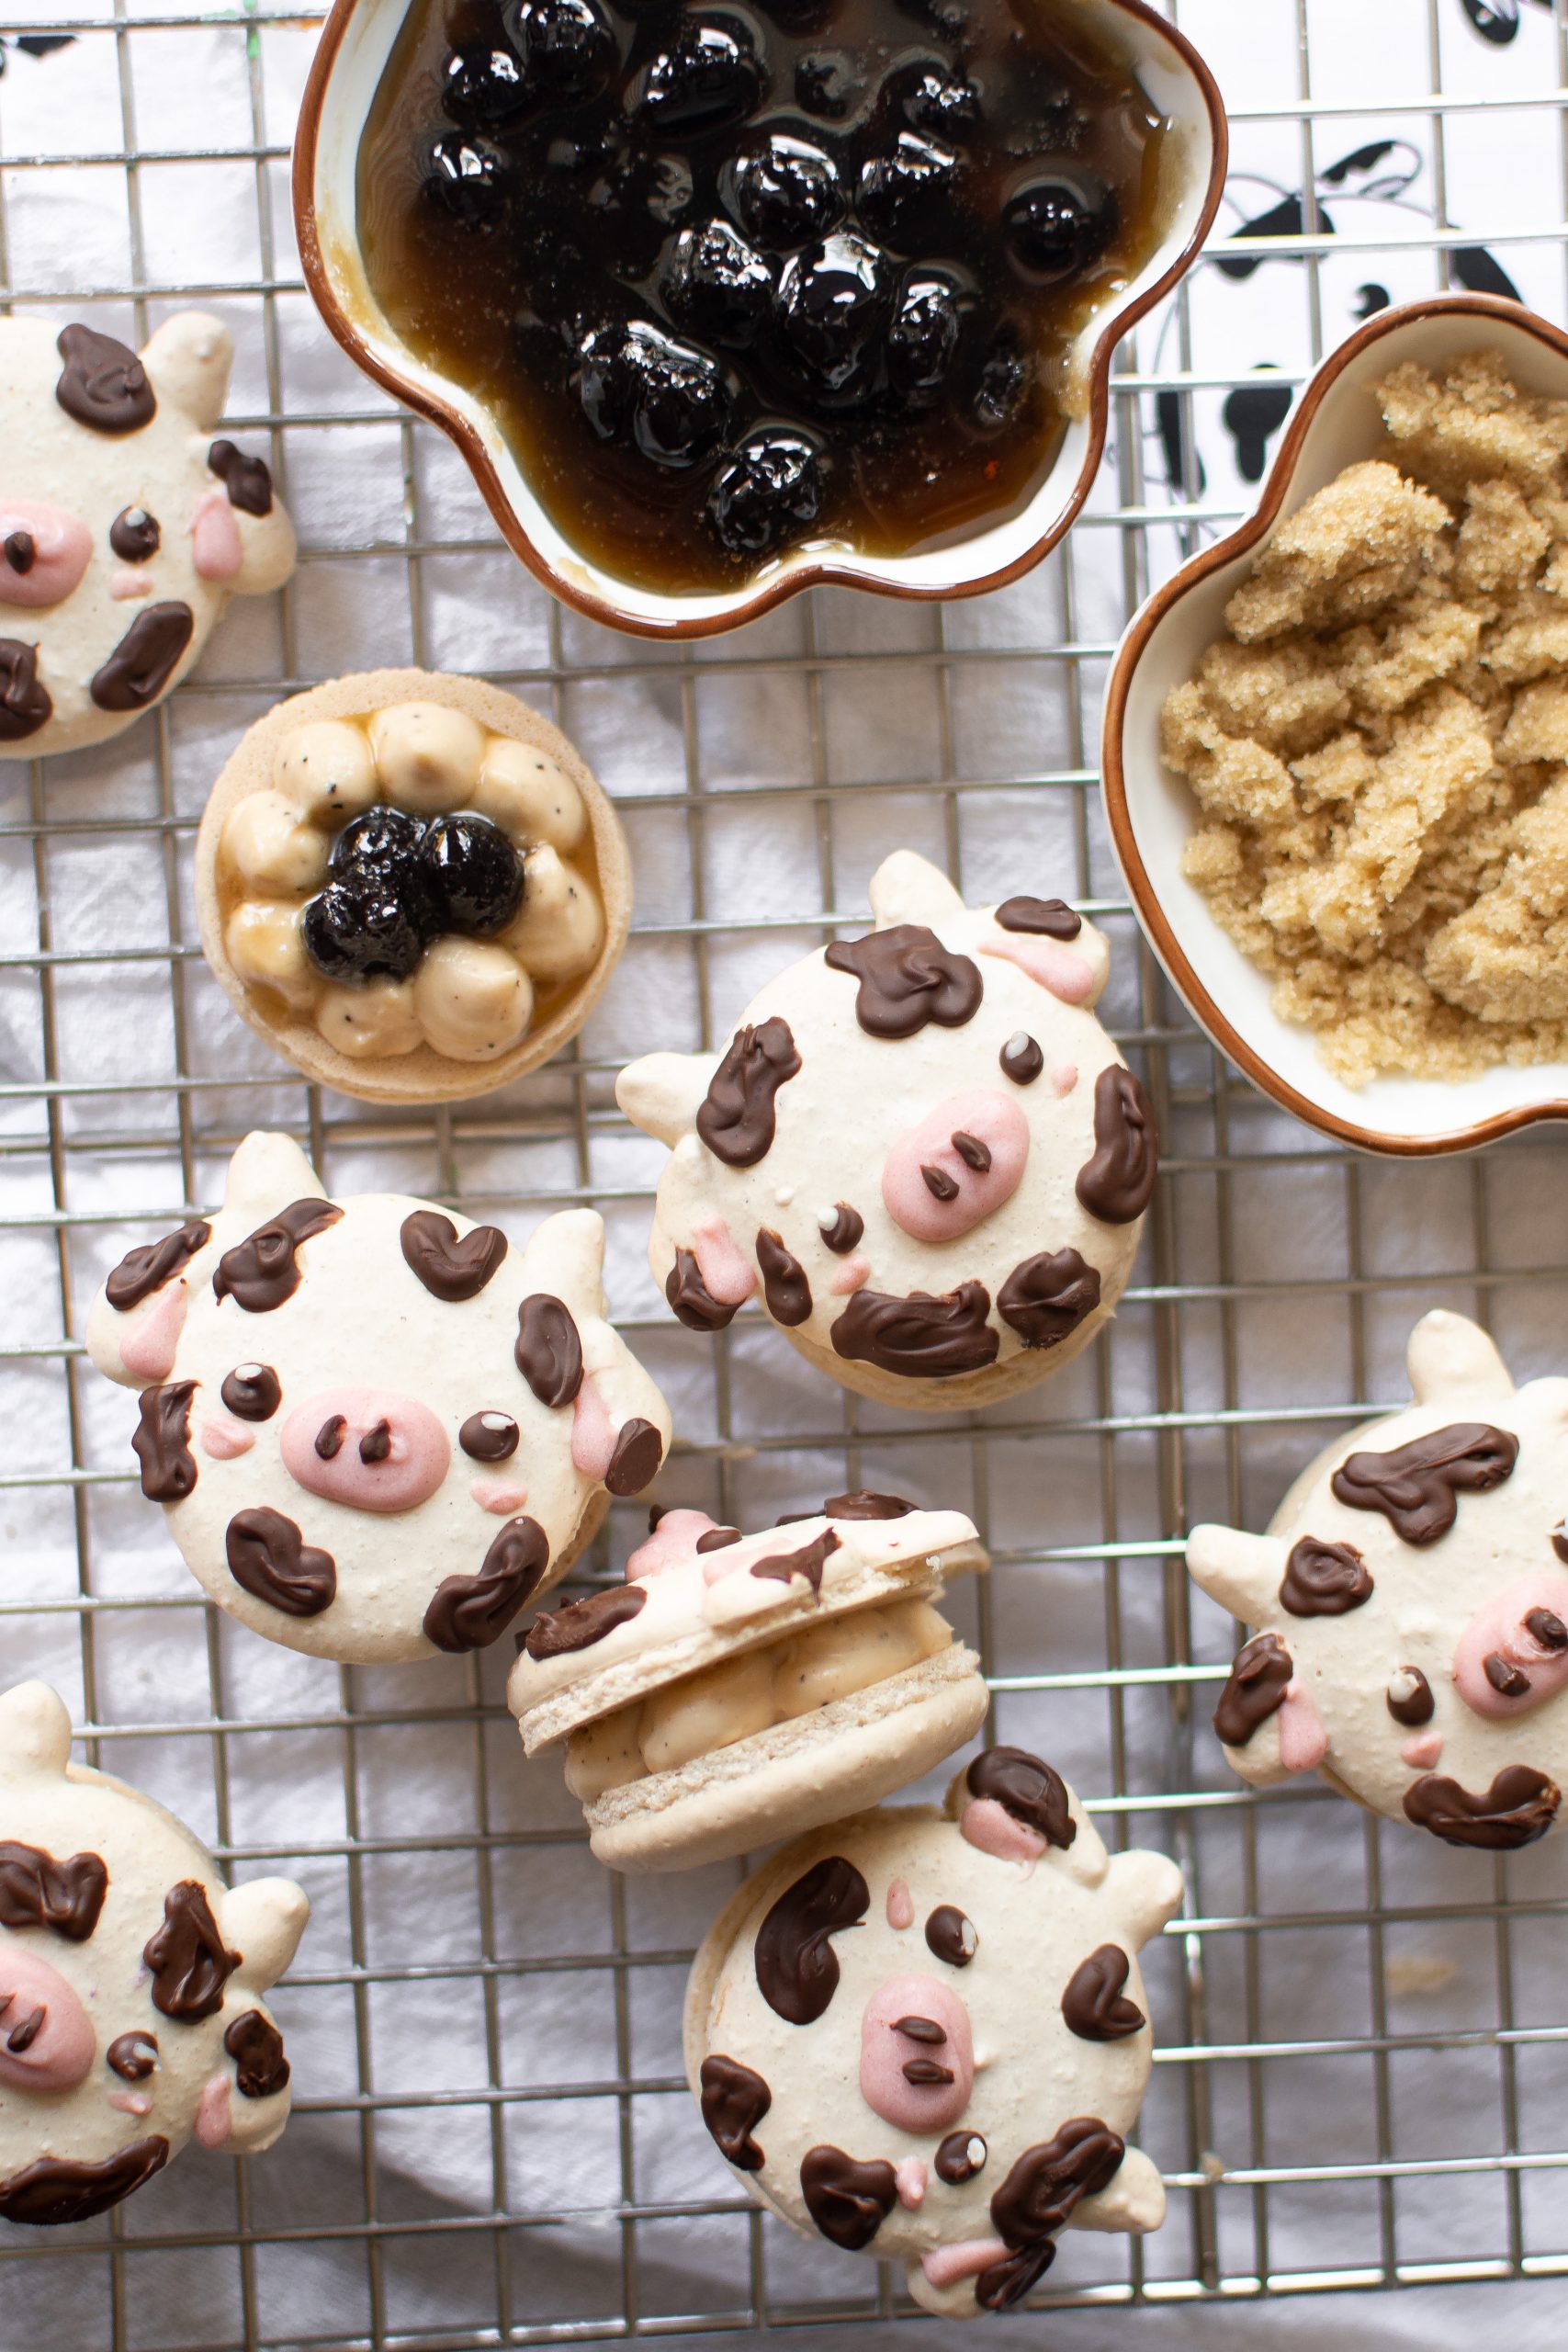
592,1435
1303,1743
215,538
1061,971
147,1350
213,2120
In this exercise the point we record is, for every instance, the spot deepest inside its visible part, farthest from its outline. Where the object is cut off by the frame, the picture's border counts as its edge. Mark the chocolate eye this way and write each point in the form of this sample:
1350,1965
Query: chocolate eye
133,2056
1409,1696
952,1935
134,535
1021,1059
488,1436
252,1392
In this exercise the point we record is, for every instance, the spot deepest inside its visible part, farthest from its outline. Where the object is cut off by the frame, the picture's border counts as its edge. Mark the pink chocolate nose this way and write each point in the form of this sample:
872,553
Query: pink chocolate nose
917,2057
369,1449
44,550
1512,1655
47,2042
963,1161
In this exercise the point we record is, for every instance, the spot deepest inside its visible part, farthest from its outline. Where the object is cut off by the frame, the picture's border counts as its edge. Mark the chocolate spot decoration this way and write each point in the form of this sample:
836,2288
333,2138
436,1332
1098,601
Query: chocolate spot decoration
1038,2198
784,1286
556,1633
252,1392
450,1270
635,1463
103,384
736,1116
161,1443
1324,1579
255,2045
797,1969
145,659
734,2101
24,705
134,535
259,1273
1416,1486
1519,1806
133,2056
37,1891
1027,1789
866,1504
188,1959
691,1298
1048,1297
490,1437
950,1934
248,480
57,2190
1411,1702
919,1337
1115,1183
548,1352
848,2202
808,1563
270,1559
908,978
1255,1689
1020,1058
845,1233
141,1272
718,1538
1094,2005
1048,918
469,1612
961,2156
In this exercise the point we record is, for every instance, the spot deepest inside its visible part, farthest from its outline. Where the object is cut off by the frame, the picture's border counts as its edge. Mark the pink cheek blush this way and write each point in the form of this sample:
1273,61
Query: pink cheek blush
1064,1078
47,2042
592,1439
901,1905
368,1449
946,2266
910,2181
147,1350
850,1276
1423,1752
1061,971
124,587
962,1162
494,1494
1513,1657
215,538
728,1274
1303,1743
130,2102
213,2122
226,1441
990,1827
917,2057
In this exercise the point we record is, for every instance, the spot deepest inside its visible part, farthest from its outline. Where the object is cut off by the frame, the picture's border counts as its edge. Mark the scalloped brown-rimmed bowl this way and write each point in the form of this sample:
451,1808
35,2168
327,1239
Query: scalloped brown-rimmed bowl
354,46
1152,811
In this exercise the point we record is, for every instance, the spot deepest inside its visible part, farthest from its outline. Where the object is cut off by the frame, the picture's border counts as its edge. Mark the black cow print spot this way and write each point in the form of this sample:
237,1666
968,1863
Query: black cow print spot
797,1969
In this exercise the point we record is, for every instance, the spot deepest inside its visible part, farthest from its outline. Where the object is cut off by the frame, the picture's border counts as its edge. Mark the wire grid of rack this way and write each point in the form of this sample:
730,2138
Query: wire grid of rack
1361,2044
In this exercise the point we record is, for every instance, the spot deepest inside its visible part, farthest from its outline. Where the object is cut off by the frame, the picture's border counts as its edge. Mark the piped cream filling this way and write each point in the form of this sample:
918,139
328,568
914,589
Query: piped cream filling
771,1684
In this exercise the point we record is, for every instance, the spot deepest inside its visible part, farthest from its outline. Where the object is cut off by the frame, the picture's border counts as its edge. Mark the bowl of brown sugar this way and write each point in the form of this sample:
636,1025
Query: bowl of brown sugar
1336,745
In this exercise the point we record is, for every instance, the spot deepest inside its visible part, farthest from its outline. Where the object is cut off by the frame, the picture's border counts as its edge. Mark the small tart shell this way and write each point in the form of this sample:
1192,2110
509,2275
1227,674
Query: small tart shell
422,1076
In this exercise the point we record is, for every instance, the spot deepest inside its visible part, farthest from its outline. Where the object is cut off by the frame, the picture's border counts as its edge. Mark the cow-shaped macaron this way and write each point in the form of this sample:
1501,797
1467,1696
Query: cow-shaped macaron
377,1428
132,1979
919,1150
924,2036
125,526
1410,1606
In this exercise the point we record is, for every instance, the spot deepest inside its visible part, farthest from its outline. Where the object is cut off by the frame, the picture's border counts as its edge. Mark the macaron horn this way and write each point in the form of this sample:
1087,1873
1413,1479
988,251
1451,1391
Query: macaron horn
35,1731
1453,1360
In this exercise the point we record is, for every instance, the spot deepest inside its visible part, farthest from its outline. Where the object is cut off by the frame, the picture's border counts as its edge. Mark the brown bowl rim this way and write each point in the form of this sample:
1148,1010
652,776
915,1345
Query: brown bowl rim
827,574
1147,903
423,1075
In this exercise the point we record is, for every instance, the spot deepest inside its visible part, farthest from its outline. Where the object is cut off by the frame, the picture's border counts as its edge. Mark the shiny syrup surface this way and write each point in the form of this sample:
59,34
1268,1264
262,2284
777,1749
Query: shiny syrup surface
736,279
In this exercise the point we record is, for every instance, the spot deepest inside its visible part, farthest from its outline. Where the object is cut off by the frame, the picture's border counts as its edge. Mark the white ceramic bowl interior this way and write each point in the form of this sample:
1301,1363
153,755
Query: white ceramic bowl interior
1163,814
346,100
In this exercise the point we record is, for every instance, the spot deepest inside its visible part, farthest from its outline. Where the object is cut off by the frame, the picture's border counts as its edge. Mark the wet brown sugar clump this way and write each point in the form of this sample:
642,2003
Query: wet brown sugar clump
738,278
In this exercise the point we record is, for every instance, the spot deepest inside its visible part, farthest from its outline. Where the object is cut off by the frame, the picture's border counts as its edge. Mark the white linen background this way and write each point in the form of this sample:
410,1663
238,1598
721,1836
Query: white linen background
392,1972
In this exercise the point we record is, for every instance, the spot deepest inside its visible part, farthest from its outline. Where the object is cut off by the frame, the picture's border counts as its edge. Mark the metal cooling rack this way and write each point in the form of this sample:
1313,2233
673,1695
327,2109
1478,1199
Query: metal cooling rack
1363,2051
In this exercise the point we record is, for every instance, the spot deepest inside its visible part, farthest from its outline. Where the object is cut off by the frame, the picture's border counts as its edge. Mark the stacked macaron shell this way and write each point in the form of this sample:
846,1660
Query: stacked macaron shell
132,2016
925,2037
377,1428
737,1688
